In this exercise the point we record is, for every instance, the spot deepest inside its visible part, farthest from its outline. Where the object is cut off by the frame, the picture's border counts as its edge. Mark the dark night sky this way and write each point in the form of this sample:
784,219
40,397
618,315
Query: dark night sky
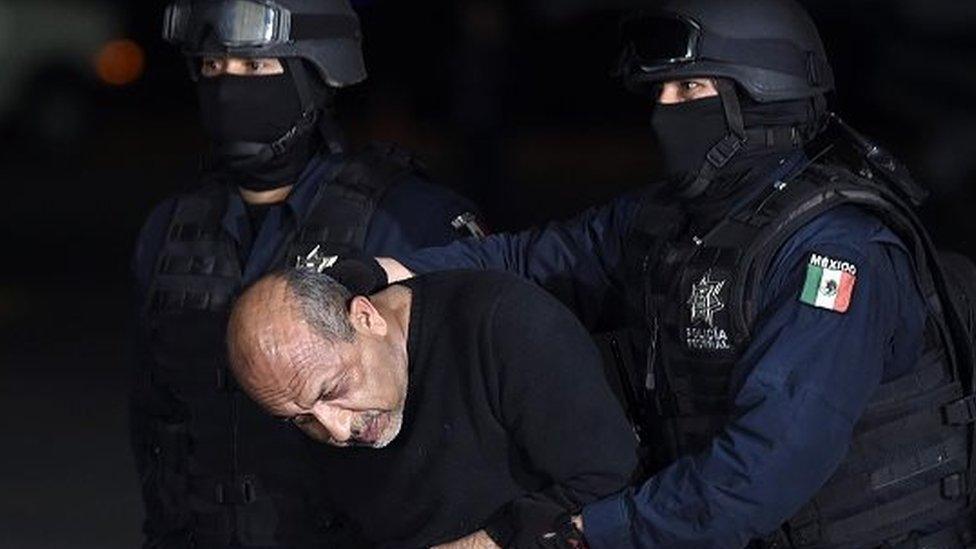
511,103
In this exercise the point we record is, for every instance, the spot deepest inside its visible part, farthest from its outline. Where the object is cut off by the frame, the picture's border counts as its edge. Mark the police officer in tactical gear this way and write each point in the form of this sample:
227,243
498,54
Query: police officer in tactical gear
279,190
804,377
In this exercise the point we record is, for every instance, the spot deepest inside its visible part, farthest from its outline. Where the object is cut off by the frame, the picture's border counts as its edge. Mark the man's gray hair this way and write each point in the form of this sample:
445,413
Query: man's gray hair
323,302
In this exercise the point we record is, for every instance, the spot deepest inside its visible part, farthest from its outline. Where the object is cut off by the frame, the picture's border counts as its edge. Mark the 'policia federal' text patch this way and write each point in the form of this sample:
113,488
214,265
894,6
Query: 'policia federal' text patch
829,284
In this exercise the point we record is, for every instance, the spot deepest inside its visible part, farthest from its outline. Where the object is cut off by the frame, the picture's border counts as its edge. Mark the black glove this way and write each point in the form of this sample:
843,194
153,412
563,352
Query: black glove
564,535
531,523
359,273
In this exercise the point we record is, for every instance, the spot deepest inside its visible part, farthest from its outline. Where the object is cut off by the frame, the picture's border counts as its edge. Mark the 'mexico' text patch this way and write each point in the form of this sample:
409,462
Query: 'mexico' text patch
829,283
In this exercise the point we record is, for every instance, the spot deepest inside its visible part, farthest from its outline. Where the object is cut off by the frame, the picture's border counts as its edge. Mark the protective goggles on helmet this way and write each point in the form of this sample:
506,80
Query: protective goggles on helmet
657,41
248,24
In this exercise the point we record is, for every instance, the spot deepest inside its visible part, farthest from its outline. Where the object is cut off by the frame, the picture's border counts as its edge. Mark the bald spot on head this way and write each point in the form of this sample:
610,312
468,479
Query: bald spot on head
271,346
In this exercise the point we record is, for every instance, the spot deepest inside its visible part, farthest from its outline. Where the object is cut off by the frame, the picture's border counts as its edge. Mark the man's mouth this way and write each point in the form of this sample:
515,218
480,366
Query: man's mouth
372,429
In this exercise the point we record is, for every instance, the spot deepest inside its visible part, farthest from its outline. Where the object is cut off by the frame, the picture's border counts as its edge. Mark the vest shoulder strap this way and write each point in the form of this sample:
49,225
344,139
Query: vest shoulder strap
341,213
778,215
379,165
947,282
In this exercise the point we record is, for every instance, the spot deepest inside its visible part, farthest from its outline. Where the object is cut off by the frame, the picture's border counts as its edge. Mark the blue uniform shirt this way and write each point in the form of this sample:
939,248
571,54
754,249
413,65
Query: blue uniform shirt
412,214
805,379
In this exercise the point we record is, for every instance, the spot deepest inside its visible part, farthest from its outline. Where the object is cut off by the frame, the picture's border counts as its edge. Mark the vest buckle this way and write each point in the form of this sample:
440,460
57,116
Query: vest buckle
221,379
247,490
960,412
954,486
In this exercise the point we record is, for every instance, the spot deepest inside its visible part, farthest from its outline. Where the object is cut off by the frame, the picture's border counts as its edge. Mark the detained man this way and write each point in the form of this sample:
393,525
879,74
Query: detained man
455,406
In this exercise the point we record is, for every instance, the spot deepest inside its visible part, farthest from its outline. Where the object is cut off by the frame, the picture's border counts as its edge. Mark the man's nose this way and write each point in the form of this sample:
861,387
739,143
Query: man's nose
669,94
337,422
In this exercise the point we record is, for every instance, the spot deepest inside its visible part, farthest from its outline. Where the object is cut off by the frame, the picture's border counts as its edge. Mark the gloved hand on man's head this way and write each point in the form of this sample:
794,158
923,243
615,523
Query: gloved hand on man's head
361,274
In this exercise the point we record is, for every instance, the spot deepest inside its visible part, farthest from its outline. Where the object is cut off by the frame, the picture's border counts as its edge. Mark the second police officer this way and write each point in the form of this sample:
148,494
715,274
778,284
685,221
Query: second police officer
280,190
803,380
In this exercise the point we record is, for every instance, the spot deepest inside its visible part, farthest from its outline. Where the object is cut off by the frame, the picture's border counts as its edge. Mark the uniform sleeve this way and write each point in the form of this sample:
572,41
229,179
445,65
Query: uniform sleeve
580,261
806,379
558,411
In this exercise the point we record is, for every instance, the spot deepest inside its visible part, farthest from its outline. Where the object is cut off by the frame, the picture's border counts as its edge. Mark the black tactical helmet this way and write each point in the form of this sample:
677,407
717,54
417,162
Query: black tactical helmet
771,48
326,33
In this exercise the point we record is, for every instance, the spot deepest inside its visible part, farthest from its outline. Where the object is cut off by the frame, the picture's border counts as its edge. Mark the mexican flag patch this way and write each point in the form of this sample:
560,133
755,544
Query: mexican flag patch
829,284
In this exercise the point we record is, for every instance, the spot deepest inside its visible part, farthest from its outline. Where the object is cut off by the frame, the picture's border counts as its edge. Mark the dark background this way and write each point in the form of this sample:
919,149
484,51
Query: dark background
509,102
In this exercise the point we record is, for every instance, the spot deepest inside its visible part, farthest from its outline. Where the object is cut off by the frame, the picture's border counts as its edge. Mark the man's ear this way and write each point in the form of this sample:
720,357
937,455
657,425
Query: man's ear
365,318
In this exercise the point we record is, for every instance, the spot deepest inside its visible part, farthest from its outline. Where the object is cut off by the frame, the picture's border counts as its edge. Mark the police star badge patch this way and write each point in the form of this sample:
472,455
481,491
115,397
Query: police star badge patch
706,331
706,300
829,283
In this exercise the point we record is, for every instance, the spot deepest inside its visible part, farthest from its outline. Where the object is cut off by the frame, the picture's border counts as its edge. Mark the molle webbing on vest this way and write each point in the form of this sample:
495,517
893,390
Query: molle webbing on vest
206,479
910,462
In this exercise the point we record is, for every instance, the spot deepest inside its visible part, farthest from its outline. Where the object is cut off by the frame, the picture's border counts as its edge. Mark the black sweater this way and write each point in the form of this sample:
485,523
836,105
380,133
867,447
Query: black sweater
508,414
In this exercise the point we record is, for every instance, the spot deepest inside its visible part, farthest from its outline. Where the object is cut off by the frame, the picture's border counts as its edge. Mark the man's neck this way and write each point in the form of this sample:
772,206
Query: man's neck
395,303
260,198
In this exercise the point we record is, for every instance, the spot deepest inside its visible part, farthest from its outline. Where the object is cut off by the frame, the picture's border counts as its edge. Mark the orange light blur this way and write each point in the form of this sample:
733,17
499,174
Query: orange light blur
120,62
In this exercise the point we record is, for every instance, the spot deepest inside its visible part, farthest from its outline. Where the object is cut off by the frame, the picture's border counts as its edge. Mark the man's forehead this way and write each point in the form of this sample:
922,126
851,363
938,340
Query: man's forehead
295,367
287,355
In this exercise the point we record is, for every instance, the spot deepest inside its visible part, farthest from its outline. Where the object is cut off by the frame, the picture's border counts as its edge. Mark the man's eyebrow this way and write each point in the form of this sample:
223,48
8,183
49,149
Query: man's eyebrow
324,388
328,388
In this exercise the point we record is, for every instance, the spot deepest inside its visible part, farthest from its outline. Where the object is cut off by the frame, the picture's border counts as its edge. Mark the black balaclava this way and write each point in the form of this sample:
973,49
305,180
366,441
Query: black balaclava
687,132
261,110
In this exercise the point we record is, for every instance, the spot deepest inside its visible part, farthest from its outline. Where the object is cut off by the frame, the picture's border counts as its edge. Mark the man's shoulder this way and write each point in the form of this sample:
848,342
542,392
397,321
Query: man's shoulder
415,190
847,228
846,237
163,210
416,213
160,216
851,225
402,175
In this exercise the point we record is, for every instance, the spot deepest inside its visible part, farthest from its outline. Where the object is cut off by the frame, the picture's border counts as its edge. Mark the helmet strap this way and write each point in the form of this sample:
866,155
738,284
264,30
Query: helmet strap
726,149
328,129
334,137
732,107
298,75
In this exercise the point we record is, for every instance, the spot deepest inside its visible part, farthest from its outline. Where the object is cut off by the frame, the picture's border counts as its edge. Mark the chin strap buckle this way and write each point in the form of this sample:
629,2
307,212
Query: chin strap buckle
283,143
724,151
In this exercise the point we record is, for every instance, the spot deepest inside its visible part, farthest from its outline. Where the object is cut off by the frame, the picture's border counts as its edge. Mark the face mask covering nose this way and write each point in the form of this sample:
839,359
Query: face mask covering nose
685,133
259,110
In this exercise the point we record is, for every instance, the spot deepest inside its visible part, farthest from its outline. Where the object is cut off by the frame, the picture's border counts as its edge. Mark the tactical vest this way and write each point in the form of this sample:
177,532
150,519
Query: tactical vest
225,473
910,461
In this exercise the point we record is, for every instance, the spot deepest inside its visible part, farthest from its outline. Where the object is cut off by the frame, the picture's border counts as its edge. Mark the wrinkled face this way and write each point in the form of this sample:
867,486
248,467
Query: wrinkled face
350,394
212,67
337,392
682,91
